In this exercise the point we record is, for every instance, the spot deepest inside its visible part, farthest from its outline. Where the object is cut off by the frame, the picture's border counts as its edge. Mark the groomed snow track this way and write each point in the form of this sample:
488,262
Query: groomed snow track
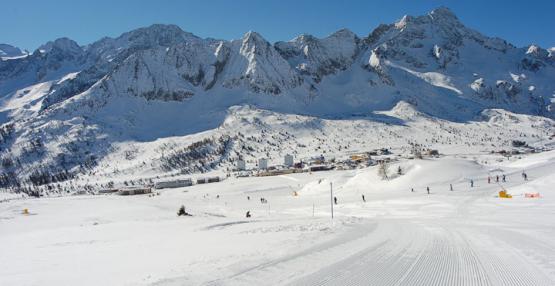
399,253
452,250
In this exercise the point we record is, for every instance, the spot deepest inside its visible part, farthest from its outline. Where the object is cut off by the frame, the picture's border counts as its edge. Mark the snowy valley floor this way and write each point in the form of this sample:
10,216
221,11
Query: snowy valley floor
467,236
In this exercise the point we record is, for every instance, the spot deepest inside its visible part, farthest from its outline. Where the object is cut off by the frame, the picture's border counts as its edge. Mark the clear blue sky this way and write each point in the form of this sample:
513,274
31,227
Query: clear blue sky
29,23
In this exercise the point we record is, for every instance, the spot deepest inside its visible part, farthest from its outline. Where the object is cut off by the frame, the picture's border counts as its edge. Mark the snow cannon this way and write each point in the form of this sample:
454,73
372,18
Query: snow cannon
503,194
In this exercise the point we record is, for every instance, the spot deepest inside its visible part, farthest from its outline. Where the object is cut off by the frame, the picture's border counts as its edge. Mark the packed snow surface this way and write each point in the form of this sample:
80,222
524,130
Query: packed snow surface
467,236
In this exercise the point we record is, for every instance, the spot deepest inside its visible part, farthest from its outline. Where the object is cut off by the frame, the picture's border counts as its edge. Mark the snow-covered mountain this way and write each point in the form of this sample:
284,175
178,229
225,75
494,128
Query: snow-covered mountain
64,107
9,52
51,61
320,57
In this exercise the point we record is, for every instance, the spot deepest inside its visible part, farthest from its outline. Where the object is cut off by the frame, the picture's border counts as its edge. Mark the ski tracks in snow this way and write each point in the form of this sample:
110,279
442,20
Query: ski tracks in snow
465,247
418,255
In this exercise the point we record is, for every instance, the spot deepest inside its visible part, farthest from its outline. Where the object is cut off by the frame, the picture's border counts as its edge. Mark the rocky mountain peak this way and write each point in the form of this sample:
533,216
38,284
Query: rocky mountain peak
254,45
252,38
442,17
304,38
9,51
443,13
63,45
402,23
159,34
343,33
537,51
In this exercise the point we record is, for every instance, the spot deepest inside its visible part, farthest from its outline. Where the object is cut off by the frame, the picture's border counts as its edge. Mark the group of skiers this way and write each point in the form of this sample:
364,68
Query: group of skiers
335,199
264,201
427,190
503,178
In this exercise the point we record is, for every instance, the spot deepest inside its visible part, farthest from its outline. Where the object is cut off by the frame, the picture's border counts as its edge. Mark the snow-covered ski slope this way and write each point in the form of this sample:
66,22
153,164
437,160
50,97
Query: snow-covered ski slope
467,236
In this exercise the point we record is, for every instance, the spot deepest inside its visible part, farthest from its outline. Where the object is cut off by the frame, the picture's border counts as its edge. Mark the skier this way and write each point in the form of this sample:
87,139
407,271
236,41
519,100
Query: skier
248,214
504,178
489,179
248,198
471,183
181,211
428,189
525,176
497,178
335,200
451,187
412,190
363,198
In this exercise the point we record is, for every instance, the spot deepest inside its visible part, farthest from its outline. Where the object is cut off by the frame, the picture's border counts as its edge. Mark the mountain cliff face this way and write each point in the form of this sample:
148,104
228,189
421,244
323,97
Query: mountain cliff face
64,105
320,57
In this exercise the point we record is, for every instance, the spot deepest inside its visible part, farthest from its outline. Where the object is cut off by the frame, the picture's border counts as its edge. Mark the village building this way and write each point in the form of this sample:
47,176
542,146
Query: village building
173,184
134,191
288,160
241,166
262,164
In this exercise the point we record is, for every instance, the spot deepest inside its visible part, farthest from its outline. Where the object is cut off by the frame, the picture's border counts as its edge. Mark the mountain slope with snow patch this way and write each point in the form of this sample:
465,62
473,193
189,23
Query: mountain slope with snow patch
66,107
